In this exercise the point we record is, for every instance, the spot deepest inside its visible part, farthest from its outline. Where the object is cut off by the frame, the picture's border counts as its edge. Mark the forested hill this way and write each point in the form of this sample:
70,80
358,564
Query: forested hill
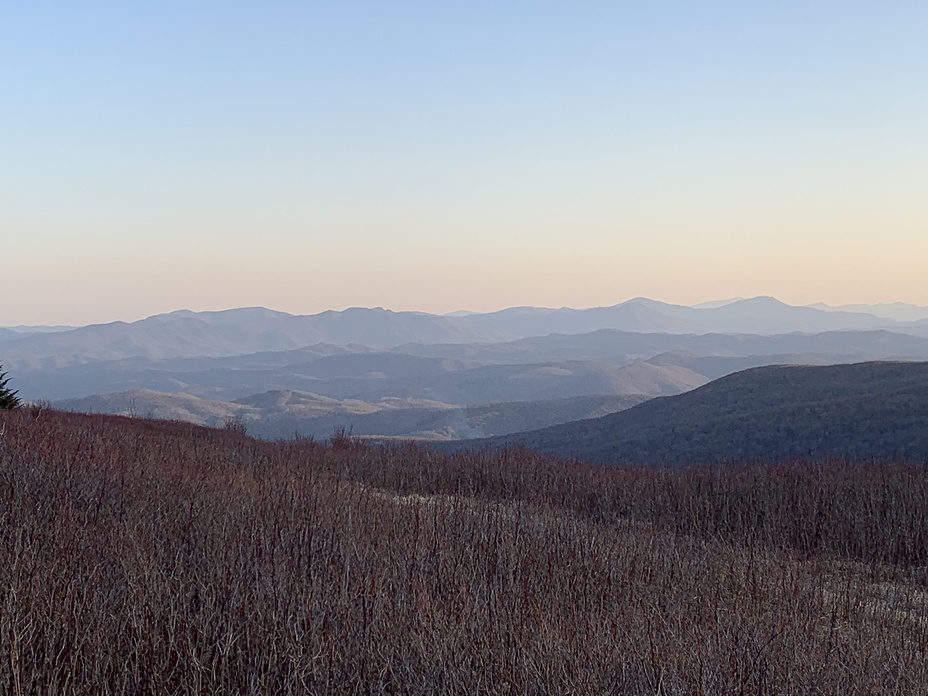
873,410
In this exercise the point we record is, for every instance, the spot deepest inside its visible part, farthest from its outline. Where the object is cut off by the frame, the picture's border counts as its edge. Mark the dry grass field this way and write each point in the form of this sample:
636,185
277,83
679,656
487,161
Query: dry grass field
142,557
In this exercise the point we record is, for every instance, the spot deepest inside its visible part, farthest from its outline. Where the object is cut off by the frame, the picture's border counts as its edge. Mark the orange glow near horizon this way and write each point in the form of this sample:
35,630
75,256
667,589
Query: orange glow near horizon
344,158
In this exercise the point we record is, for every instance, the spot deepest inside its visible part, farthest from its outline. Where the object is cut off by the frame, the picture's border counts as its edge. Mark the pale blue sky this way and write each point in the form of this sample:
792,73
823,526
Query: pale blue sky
438,156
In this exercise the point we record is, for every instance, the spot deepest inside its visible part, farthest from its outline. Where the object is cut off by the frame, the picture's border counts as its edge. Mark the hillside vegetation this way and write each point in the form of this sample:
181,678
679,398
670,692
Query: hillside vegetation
156,557
864,411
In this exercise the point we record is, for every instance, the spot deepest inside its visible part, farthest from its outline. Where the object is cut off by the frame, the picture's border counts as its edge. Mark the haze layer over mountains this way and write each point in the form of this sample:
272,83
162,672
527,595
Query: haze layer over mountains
412,374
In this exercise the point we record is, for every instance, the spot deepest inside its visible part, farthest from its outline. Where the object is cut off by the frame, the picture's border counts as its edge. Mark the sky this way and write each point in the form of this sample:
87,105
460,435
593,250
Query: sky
440,156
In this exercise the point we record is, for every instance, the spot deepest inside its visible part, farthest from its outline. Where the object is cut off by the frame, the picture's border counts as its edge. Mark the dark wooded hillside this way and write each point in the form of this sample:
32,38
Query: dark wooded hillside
861,412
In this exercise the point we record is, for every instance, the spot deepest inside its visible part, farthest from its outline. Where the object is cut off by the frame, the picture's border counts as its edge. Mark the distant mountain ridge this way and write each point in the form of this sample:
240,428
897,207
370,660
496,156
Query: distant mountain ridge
411,373
239,332
249,330
761,315
863,411
552,366
899,311
626,346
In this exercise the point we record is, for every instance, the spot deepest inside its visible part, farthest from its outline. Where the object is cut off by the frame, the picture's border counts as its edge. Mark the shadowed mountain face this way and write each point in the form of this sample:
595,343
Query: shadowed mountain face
862,411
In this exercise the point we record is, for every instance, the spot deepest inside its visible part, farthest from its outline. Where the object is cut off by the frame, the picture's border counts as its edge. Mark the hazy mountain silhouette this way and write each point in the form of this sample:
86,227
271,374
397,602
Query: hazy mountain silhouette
283,413
717,303
363,375
864,411
456,360
898,311
634,315
760,315
12,332
8,335
239,332
383,365
249,330
715,366
624,346
767,315
496,383
439,371
396,418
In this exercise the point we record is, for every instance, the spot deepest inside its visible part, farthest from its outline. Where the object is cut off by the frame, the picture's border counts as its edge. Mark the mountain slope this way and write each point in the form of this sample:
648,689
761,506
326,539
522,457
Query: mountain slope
861,411
280,414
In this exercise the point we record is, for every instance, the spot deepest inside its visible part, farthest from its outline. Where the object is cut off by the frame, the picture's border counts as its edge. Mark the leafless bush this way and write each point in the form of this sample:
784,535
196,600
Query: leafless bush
235,425
161,557
300,438
342,438
38,408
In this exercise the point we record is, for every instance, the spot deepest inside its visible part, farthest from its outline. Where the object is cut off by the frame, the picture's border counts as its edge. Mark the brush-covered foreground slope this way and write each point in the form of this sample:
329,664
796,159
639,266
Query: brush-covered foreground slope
864,411
153,557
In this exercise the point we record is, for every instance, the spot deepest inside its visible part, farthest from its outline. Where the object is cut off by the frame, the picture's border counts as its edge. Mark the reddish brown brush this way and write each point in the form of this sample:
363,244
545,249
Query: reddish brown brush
151,557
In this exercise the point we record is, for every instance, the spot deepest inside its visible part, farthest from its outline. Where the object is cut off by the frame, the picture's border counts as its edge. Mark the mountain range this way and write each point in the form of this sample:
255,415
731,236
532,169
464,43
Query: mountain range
249,330
899,311
397,374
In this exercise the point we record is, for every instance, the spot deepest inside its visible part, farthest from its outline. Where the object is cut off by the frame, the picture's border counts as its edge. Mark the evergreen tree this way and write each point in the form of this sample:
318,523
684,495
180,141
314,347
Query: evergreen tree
8,398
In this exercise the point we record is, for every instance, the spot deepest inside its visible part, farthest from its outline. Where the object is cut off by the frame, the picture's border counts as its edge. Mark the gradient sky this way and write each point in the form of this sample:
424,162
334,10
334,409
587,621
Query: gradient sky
458,155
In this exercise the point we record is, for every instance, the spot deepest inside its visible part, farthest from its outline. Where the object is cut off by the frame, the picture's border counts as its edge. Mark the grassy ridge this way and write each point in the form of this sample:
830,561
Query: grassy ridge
140,556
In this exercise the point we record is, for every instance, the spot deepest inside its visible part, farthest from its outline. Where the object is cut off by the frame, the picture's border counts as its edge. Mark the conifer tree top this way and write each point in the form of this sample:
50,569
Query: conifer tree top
8,397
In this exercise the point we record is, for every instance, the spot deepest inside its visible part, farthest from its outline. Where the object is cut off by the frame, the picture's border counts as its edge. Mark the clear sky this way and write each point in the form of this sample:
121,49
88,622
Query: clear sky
458,155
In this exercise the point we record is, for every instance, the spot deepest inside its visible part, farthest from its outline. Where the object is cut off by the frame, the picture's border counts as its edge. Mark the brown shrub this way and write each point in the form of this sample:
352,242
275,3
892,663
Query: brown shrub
151,557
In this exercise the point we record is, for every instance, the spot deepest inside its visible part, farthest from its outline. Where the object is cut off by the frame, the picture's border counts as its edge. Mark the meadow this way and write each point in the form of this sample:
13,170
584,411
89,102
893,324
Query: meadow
142,556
